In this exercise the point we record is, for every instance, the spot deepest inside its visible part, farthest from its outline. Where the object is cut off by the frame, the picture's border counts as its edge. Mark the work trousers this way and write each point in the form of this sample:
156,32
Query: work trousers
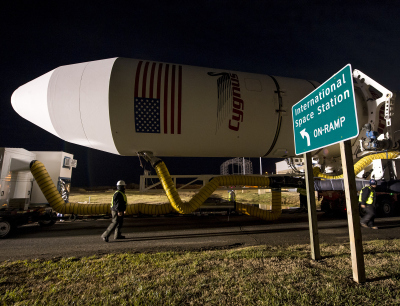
303,202
116,225
234,204
369,216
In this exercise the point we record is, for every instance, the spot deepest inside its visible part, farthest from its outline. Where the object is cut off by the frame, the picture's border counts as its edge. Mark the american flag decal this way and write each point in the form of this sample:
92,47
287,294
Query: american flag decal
158,98
147,115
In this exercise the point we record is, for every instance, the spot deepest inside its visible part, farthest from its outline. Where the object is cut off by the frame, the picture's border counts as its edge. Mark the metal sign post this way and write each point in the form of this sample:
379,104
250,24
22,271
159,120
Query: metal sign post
353,216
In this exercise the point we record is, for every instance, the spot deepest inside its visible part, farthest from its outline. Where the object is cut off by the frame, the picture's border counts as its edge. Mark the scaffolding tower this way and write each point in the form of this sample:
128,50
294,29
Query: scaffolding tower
238,165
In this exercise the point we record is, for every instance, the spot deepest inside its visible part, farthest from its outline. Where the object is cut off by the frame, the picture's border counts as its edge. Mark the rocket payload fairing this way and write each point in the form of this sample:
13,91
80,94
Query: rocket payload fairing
124,106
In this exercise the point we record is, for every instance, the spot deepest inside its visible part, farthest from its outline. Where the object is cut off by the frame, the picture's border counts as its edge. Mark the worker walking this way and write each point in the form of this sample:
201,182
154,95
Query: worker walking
232,198
303,198
118,207
367,200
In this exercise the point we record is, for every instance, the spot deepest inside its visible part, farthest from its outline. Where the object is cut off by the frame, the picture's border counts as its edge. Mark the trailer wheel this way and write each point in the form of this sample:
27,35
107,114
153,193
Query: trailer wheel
5,228
387,208
48,220
326,206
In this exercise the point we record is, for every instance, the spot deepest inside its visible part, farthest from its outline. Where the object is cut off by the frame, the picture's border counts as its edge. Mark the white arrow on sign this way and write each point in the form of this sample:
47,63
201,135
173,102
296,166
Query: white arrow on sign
304,133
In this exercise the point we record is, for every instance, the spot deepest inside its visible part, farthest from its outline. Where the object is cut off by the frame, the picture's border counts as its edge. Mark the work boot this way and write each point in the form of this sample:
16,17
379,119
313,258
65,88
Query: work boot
374,227
105,239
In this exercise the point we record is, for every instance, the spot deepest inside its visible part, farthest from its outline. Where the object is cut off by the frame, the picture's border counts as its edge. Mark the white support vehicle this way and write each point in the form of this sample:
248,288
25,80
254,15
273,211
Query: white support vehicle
21,200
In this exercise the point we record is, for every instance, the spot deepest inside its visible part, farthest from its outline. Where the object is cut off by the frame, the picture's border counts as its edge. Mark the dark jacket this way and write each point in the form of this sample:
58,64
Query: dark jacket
119,202
365,194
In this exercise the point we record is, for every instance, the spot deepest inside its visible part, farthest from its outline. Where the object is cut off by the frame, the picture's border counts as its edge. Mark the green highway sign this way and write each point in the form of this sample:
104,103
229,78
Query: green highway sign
327,115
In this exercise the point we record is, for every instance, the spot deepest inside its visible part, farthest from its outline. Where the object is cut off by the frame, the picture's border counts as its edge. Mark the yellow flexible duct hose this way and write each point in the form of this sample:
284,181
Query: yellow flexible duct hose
358,166
261,213
56,202
207,190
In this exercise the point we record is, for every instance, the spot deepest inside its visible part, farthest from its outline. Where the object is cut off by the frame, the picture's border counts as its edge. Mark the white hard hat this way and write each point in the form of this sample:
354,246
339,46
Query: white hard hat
121,183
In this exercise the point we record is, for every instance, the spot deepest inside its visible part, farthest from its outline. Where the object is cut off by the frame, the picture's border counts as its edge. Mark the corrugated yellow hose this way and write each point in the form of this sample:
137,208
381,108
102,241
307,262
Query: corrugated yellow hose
207,190
261,213
56,202
358,166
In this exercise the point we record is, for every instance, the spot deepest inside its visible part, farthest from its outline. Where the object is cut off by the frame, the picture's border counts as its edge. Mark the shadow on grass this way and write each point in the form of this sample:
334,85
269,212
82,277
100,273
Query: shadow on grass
377,279
238,232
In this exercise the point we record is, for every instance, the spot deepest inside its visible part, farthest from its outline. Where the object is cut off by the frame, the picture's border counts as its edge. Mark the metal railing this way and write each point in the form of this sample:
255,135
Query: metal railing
151,183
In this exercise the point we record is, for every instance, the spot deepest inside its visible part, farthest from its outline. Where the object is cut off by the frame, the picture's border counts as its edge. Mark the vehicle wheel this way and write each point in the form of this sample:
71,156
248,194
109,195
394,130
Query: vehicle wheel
387,209
5,228
326,207
48,220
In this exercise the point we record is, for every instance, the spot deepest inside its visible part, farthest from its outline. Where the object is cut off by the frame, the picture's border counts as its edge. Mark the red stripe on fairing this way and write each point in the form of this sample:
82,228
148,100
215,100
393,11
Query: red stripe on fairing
173,100
179,99
144,86
166,99
137,78
159,81
153,67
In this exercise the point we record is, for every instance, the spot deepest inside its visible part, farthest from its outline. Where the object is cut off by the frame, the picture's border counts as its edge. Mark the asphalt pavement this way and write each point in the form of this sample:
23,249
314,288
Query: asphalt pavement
180,233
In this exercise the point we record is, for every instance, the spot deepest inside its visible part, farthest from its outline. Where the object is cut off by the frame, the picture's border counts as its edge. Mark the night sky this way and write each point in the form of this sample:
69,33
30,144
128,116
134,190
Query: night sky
300,39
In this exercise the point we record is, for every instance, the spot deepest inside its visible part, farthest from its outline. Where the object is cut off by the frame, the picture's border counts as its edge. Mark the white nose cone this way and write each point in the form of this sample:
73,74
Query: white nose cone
30,102
71,102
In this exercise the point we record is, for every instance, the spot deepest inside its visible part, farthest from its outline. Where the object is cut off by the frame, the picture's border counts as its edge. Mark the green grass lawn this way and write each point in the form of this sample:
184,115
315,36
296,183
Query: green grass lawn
261,275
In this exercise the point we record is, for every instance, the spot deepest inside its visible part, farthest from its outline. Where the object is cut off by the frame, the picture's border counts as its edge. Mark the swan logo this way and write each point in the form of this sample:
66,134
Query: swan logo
230,103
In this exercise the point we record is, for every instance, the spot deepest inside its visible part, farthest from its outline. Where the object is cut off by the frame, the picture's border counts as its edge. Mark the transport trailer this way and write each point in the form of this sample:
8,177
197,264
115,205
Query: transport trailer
21,200
387,203
12,218
331,191
387,191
